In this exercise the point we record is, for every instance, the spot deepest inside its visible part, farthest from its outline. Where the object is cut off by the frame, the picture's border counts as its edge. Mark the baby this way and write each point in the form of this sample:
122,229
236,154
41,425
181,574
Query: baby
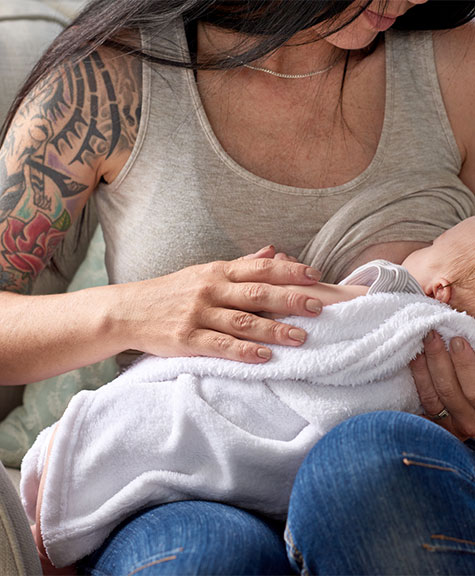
277,416
445,270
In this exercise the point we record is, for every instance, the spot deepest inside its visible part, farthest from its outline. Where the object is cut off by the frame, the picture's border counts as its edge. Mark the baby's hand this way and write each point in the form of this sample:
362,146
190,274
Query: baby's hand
283,256
269,252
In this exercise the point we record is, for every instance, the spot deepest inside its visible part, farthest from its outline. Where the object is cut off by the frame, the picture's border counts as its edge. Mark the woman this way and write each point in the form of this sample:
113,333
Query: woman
295,112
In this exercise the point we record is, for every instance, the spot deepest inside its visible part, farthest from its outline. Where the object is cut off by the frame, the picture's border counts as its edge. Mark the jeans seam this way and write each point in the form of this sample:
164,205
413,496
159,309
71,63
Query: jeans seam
166,559
298,556
433,464
444,538
452,539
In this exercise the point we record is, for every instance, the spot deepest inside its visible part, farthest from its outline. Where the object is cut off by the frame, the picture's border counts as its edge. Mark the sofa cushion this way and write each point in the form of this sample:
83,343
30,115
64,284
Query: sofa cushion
27,27
14,476
67,7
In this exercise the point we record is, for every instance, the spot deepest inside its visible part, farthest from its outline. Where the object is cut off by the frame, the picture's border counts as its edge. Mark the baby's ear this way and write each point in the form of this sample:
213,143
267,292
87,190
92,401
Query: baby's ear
442,291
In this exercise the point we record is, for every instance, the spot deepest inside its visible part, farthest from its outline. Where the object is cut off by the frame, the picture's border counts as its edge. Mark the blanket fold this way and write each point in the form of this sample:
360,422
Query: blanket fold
205,428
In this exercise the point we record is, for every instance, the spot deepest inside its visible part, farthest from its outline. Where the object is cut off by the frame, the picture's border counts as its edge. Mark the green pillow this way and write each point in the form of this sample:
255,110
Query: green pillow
44,402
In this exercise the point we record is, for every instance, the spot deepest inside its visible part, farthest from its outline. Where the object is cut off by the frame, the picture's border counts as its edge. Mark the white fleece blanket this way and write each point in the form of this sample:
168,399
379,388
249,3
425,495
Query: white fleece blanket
204,428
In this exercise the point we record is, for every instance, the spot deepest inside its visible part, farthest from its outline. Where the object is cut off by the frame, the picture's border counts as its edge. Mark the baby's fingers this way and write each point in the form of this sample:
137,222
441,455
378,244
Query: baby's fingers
266,252
283,256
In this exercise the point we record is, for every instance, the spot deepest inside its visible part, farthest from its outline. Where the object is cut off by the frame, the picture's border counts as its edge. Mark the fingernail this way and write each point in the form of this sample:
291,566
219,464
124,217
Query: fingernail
429,337
297,334
457,344
264,353
313,306
312,274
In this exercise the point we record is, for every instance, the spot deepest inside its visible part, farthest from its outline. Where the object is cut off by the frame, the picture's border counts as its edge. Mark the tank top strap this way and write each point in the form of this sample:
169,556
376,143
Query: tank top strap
420,118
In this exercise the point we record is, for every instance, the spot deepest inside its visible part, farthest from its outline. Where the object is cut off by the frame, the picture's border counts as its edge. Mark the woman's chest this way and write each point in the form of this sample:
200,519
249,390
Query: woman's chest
312,135
203,218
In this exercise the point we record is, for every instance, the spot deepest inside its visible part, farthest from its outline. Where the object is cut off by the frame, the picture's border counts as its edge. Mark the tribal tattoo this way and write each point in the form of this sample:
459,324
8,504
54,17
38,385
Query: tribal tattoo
83,118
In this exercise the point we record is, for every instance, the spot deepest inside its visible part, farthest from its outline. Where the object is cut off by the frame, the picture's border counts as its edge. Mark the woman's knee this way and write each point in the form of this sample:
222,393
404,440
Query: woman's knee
368,494
192,538
376,446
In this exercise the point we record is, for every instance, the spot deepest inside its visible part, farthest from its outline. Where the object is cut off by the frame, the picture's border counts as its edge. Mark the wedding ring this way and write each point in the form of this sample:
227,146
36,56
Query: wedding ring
440,415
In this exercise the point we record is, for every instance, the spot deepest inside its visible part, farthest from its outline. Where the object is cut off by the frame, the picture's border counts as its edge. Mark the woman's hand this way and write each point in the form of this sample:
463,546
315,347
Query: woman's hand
446,379
212,309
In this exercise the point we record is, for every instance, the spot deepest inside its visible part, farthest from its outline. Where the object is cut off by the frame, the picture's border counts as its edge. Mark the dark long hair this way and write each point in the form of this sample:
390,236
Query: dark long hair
270,22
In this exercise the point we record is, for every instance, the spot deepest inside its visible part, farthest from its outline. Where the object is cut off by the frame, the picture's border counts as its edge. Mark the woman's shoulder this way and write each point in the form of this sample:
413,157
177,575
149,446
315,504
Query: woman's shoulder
89,108
454,52
118,84
455,49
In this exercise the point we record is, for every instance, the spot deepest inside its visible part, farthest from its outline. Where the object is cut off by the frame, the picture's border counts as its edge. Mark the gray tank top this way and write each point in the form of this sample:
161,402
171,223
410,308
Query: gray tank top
182,200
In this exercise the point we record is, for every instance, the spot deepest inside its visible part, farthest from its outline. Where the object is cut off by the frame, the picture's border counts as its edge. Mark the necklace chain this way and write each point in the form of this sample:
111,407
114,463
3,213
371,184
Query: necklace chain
293,76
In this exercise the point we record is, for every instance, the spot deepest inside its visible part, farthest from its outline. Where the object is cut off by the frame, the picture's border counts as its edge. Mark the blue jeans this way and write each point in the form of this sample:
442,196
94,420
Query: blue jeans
382,493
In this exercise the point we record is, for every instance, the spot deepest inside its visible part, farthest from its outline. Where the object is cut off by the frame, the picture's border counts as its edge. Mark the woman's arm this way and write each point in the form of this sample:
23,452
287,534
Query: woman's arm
78,127
455,61
65,137
41,336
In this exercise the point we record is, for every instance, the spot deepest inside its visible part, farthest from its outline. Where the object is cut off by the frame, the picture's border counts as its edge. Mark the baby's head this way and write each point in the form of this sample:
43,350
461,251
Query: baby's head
446,269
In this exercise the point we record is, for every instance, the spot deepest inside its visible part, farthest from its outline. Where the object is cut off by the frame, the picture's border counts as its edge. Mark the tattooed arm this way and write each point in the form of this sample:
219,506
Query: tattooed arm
77,127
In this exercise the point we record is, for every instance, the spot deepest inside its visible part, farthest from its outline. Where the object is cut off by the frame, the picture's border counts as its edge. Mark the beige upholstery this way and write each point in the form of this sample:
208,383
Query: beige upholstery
67,7
14,476
27,27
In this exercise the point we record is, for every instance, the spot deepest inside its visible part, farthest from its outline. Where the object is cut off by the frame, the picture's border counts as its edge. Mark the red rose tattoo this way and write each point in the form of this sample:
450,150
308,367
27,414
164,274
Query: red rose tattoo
29,245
